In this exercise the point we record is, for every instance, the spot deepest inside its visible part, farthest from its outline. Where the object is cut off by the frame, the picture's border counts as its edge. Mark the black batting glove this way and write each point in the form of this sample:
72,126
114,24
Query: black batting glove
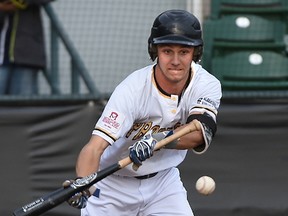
78,200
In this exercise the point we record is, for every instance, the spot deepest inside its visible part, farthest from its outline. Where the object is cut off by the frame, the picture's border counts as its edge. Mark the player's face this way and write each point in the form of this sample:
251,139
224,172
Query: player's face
174,61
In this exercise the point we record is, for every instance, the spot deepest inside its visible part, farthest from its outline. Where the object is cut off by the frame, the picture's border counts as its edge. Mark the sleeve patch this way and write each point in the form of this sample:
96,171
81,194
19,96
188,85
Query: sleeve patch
111,120
207,102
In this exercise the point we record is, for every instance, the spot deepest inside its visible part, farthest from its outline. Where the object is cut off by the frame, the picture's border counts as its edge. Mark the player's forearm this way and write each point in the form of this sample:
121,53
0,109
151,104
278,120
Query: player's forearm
89,157
87,163
190,141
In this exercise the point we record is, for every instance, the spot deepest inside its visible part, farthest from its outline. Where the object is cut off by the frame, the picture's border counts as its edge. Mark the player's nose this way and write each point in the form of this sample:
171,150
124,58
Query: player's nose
175,59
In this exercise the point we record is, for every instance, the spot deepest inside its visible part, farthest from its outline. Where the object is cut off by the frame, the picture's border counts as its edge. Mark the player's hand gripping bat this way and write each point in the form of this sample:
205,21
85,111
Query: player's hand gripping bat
59,196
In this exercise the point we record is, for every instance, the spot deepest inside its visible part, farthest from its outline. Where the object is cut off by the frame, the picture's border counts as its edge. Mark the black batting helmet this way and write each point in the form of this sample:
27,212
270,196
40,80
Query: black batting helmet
176,27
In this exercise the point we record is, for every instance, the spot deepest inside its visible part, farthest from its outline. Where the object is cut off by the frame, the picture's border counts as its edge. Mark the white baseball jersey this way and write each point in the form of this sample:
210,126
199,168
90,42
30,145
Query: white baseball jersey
138,106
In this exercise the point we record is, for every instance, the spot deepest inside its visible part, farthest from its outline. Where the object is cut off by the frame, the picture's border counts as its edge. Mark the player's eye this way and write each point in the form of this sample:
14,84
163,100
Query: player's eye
184,52
167,51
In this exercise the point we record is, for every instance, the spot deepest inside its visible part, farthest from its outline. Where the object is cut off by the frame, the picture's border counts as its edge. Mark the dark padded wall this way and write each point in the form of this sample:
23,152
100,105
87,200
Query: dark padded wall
40,145
248,158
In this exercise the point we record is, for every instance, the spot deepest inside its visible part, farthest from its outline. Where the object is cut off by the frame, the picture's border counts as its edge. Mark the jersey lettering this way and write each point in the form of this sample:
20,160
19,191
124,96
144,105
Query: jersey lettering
142,128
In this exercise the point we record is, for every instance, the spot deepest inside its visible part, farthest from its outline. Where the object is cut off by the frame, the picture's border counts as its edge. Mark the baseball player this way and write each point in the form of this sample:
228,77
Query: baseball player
150,104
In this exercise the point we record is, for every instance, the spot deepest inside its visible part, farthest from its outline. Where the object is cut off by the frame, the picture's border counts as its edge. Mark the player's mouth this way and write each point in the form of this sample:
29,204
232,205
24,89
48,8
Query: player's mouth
174,70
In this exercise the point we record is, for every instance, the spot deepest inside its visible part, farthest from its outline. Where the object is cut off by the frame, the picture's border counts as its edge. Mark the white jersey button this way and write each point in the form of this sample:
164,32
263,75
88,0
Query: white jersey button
173,98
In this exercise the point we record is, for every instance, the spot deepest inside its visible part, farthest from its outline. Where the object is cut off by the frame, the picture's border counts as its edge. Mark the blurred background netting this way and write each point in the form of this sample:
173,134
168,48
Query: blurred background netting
110,36
245,45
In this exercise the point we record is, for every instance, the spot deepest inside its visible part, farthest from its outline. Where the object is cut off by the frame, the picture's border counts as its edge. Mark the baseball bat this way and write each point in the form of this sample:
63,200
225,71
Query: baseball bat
55,198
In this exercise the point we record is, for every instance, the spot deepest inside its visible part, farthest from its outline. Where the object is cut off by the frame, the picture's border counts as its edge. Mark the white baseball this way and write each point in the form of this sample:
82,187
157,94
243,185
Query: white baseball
205,185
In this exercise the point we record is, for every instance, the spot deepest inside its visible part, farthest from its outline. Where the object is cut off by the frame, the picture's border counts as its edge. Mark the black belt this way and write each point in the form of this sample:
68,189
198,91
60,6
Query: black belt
146,176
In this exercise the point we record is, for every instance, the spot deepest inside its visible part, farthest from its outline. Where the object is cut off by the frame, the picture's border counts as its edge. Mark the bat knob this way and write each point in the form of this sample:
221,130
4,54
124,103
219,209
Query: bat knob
135,167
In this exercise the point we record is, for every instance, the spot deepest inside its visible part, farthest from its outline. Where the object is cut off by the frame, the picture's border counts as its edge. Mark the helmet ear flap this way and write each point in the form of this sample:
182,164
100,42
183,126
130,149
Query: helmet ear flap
152,49
197,54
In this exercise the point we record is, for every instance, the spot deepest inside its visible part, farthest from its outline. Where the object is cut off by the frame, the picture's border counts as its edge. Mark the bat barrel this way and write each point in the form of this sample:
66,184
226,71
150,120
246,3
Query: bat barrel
59,196
45,203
